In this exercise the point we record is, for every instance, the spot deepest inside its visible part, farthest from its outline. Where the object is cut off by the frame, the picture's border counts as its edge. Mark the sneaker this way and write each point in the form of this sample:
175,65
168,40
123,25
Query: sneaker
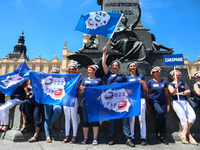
143,142
164,141
130,143
112,142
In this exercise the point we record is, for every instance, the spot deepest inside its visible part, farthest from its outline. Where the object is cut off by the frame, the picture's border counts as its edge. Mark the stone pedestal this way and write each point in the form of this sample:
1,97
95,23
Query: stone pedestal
129,9
156,58
173,127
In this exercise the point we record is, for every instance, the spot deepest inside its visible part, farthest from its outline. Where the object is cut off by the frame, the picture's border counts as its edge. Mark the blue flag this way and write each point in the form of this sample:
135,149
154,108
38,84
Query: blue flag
113,101
99,23
55,89
9,82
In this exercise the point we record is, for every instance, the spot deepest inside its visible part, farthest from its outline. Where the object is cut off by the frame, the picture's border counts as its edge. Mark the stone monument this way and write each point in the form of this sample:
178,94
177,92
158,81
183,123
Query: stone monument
131,39
93,44
129,9
153,58
126,41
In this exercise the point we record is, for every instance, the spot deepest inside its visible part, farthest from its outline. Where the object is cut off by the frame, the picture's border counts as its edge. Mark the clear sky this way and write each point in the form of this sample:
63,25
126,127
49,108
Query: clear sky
48,23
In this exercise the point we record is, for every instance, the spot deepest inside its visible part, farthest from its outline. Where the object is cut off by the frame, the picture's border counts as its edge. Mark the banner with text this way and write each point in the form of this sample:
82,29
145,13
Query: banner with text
113,101
55,89
9,82
173,60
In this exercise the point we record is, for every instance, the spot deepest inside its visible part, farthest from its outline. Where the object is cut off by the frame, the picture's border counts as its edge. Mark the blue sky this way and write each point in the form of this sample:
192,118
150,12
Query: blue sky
48,23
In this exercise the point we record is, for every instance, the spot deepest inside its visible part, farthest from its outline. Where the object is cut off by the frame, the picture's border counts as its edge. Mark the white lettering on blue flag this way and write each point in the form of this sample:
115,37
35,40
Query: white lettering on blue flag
113,101
55,89
173,60
116,100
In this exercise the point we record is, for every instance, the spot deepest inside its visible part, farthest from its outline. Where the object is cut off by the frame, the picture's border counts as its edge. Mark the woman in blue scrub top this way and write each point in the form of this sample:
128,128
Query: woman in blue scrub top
158,99
197,87
135,76
113,78
179,91
91,80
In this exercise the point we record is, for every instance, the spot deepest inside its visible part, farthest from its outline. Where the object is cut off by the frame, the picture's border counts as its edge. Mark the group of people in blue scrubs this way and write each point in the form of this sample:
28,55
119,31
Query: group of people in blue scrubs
154,97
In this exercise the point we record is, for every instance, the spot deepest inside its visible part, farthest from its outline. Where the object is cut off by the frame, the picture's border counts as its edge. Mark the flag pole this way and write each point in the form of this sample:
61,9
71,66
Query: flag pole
108,42
176,83
114,30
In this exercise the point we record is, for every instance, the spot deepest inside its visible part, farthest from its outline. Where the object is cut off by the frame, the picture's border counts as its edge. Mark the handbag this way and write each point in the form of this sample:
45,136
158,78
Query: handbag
192,103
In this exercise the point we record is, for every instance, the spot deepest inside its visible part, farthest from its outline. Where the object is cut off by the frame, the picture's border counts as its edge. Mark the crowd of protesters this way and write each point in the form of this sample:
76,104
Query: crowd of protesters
154,97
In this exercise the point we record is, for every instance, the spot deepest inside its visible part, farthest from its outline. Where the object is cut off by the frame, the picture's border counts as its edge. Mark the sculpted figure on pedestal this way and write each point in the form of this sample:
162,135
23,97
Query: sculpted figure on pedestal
126,42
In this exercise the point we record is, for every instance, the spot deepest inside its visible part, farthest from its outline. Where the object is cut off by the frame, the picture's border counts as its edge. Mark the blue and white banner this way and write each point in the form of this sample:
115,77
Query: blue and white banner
9,82
55,89
99,23
174,60
113,101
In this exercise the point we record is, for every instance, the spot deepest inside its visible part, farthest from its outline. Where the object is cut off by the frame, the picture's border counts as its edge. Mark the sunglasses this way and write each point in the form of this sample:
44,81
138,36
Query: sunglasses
155,72
71,69
198,77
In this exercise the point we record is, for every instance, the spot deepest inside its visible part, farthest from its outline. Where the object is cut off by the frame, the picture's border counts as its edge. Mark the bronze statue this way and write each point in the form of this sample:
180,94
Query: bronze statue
126,42
93,44
157,46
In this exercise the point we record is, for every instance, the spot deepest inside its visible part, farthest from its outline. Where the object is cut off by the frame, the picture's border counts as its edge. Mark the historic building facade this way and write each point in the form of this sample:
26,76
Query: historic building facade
11,61
191,67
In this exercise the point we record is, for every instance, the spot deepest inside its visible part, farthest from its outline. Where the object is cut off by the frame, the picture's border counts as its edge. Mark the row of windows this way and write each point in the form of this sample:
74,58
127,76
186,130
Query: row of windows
41,68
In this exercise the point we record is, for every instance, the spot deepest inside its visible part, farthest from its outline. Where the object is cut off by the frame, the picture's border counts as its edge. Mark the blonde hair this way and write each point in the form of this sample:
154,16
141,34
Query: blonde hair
177,71
173,72
74,68
57,70
158,68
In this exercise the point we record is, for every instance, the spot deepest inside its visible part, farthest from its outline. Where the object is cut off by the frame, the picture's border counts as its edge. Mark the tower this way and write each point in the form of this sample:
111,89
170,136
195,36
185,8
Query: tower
19,49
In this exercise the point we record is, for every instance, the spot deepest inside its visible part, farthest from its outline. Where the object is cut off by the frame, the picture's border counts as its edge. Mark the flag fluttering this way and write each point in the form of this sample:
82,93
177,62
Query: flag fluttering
99,23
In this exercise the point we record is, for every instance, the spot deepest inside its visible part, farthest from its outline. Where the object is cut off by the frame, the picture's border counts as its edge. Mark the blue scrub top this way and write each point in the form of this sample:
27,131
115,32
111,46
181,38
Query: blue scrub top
157,91
130,78
87,82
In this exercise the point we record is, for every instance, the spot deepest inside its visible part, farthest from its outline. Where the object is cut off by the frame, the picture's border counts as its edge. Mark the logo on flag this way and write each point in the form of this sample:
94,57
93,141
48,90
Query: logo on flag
97,19
9,82
12,80
99,23
116,100
54,87
113,101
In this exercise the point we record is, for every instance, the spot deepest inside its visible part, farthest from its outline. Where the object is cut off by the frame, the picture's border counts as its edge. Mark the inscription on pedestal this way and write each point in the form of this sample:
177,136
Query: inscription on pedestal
127,7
